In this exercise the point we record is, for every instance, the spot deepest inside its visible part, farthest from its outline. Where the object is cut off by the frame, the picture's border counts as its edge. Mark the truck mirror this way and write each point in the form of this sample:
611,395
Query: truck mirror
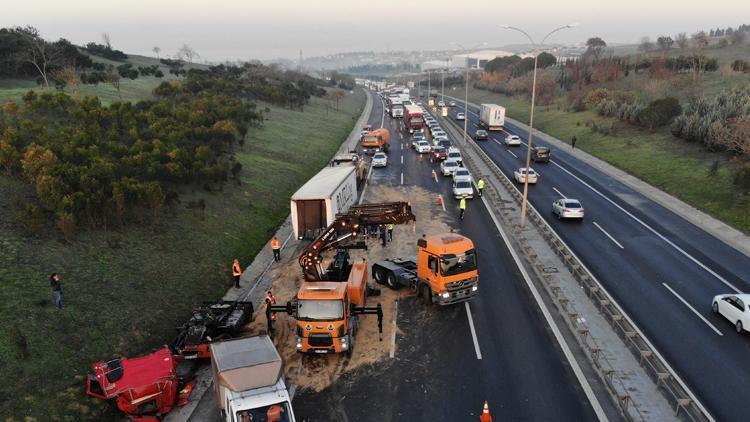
289,308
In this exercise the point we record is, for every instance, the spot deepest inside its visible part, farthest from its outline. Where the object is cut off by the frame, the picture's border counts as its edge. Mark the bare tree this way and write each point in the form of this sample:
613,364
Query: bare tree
700,39
682,40
113,78
187,53
156,50
41,54
69,75
107,40
646,45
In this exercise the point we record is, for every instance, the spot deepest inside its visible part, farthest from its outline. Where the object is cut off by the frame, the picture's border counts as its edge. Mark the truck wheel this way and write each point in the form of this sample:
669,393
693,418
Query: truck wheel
427,295
378,275
391,281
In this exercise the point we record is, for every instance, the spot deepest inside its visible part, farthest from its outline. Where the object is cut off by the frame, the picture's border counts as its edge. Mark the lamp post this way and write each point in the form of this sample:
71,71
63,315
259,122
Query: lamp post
524,204
466,85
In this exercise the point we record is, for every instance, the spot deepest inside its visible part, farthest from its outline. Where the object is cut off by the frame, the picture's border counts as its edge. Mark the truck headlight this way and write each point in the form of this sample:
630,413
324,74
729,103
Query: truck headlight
299,343
445,295
474,288
344,346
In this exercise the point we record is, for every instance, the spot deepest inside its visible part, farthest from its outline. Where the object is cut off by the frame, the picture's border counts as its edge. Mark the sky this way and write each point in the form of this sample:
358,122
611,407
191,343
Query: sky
262,29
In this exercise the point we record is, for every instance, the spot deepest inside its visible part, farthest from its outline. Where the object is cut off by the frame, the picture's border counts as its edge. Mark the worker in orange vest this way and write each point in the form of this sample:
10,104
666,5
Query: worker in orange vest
274,413
236,273
270,316
276,246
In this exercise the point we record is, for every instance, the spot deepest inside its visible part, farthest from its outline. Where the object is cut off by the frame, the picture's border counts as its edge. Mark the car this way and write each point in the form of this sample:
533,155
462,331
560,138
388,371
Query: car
520,175
439,133
448,166
481,135
441,103
452,104
417,136
513,140
462,174
460,116
423,147
445,143
379,160
438,153
735,308
455,156
462,189
541,154
568,208
440,138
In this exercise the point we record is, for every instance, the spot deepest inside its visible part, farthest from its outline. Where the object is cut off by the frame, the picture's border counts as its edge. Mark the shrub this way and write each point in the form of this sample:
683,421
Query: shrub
596,96
659,112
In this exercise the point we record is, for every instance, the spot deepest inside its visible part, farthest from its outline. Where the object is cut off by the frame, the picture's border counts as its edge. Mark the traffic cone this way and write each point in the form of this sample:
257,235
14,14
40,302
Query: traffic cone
486,417
440,200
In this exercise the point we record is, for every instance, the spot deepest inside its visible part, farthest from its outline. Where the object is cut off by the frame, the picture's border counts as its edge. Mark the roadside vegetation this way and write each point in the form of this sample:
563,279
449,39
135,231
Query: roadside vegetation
203,167
675,112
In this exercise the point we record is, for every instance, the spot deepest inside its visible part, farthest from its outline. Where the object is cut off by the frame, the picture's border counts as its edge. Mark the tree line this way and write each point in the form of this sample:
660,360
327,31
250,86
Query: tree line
97,166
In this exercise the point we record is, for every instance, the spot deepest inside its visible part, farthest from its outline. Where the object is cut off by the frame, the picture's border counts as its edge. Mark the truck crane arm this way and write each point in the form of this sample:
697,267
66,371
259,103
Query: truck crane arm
345,229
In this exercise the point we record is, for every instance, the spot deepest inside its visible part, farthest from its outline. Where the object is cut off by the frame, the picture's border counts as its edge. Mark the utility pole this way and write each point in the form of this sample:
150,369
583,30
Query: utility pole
299,65
442,83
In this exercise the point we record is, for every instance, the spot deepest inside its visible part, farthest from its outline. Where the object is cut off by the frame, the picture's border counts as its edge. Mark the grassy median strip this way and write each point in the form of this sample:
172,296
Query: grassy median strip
700,178
127,288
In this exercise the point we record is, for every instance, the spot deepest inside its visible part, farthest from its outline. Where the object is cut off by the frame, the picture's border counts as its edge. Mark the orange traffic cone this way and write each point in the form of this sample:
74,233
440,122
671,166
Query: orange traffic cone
440,200
486,417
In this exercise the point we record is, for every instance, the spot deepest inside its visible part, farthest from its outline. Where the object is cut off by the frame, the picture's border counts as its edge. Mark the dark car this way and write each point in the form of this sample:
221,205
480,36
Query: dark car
541,154
438,153
481,135
444,143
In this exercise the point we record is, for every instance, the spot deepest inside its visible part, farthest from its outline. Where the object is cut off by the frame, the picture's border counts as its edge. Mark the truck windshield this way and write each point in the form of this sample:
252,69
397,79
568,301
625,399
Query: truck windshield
320,310
416,120
275,412
370,139
452,264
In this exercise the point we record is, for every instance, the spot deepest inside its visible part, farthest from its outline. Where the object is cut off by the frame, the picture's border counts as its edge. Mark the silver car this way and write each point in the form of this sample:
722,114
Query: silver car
462,189
379,160
447,167
462,173
568,208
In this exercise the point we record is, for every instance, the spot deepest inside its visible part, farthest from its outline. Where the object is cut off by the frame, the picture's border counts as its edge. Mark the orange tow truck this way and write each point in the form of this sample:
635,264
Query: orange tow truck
377,140
444,271
334,293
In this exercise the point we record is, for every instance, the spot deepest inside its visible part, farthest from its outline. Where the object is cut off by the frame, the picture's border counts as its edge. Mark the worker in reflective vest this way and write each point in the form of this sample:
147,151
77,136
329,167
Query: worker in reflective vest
236,273
480,186
462,208
390,232
276,247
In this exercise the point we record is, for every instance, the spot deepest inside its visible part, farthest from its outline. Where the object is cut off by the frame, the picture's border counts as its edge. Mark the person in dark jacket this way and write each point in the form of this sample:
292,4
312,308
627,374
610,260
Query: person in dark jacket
56,284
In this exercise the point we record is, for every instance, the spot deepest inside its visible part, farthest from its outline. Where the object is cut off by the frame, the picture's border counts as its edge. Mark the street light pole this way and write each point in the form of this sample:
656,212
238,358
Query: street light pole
466,88
524,204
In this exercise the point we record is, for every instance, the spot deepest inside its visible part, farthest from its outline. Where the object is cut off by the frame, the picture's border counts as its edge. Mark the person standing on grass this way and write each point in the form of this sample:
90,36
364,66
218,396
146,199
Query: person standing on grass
56,284
236,273
573,142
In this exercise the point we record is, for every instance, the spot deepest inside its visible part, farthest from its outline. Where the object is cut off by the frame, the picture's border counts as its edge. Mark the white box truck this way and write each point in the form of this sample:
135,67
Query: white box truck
248,381
492,116
315,205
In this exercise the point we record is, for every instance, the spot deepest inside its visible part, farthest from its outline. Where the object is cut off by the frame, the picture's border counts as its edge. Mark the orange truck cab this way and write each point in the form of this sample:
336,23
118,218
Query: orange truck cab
327,312
376,141
444,271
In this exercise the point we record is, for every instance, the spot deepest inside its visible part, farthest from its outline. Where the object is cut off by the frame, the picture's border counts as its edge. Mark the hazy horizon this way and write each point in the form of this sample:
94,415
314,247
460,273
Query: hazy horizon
231,30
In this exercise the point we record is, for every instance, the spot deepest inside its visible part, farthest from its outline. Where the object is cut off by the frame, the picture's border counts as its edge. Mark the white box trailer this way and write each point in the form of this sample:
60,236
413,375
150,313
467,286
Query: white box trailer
492,116
248,380
315,205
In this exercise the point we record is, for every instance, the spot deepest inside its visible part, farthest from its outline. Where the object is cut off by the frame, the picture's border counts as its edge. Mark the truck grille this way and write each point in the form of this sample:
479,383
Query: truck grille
458,285
320,340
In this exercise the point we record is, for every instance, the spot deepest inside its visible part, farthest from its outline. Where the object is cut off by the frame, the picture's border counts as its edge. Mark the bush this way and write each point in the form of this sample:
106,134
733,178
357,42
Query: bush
596,96
659,112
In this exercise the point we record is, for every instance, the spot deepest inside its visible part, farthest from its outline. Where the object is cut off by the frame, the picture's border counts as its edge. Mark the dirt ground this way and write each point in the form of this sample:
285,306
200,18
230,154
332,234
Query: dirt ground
319,372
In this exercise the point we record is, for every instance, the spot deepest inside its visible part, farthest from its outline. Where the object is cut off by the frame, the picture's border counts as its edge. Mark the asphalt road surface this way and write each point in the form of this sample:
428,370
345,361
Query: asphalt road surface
436,374
662,269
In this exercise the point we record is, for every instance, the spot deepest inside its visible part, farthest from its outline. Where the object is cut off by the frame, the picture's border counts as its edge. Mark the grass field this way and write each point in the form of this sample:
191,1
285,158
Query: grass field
126,289
675,166
130,90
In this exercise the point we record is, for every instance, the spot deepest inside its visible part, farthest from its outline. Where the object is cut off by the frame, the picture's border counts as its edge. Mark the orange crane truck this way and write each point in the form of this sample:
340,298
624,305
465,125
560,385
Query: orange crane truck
444,271
334,293
377,140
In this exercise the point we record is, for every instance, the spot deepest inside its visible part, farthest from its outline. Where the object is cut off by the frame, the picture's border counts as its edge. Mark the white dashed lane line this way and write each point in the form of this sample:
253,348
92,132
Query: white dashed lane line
608,235
684,302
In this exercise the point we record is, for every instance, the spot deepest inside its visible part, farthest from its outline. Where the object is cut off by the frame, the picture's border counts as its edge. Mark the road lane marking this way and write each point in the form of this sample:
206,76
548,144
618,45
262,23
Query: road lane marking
473,331
393,336
497,142
559,193
402,177
652,230
608,235
716,330
597,407
402,158
510,152
382,119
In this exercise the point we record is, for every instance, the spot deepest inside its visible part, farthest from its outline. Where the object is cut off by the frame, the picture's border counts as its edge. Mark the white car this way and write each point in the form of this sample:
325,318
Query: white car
454,155
447,167
521,176
438,138
568,208
460,116
462,173
735,308
513,140
438,132
452,103
441,103
379,160
462,189
423,147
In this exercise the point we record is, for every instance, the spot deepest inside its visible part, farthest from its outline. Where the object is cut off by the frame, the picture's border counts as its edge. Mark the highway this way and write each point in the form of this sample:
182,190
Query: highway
449,360
663,270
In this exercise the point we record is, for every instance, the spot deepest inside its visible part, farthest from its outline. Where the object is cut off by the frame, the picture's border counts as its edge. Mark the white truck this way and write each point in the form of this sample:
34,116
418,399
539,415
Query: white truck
395,106
315,205
248,381
492,116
